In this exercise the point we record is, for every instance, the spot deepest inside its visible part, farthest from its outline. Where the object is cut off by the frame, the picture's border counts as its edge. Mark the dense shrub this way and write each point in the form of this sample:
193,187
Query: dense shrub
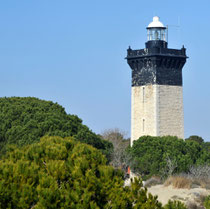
24,120
207,202
175,205
166,155
62,173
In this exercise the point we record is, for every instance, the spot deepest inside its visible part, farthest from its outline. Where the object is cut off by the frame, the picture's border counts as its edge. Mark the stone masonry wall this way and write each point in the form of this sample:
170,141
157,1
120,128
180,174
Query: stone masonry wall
143,107
156,110
170,107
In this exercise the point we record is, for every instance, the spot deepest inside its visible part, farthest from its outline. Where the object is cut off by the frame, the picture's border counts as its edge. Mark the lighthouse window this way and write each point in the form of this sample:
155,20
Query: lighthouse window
156,34
143,125
143,94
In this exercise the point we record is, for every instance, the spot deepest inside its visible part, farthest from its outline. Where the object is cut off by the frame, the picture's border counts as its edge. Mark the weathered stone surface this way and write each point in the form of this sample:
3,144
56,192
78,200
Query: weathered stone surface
163,70
157,110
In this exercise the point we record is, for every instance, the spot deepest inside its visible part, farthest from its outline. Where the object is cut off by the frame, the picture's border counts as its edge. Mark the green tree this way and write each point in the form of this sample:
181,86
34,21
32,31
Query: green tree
63,173
151,155
24,120
195,138
205,154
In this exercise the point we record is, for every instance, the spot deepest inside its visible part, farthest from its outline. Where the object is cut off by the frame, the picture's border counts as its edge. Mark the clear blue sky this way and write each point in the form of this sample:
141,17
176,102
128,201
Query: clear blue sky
72,52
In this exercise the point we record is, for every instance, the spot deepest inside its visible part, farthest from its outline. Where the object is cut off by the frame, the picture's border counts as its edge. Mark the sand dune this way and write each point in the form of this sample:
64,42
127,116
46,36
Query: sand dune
185,195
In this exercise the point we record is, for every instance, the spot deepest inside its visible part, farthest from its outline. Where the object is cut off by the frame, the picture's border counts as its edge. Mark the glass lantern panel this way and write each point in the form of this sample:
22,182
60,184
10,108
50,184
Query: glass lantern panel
156,34
163,35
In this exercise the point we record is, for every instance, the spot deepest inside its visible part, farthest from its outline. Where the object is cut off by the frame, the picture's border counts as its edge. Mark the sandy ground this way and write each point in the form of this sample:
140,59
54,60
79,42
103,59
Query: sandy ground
165,193
185,195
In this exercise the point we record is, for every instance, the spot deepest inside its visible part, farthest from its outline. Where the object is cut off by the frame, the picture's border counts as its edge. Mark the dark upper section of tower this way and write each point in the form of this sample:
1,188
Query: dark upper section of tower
156,64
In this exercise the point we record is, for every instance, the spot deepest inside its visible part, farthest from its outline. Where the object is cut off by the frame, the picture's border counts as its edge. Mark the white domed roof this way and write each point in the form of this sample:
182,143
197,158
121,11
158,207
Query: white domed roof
156,23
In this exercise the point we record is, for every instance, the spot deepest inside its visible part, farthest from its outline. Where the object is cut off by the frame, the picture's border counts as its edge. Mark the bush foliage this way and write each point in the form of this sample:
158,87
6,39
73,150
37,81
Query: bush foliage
175,205
157,155
24,120
63,173
207,202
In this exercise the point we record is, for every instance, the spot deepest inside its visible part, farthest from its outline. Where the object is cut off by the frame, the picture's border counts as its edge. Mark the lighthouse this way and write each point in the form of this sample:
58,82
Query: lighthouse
157,86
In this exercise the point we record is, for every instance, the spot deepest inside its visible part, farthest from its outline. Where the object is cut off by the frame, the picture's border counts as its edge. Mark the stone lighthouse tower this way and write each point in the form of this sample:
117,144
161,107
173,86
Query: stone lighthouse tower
157,98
